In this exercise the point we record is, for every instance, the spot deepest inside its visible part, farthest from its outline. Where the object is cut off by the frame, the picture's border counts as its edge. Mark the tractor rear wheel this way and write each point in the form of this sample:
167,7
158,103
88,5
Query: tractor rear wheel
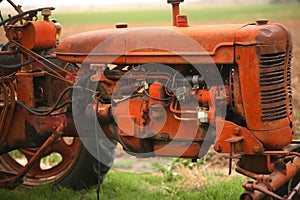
68,163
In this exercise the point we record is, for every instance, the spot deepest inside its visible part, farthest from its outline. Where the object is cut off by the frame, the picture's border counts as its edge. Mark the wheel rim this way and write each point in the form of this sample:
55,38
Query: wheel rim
69,150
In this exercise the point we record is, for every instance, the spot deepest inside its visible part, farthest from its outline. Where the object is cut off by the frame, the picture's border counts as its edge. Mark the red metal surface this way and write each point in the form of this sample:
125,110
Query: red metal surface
133,123
125,45
182,21
247,144
38,35
175,10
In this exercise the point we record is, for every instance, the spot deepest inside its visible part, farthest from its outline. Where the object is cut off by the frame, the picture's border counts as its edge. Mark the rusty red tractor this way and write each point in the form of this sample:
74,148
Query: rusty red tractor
158,91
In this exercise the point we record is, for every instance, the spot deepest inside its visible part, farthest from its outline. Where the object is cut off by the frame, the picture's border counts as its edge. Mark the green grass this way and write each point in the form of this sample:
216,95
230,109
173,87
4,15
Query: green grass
163,15
124,186
270,11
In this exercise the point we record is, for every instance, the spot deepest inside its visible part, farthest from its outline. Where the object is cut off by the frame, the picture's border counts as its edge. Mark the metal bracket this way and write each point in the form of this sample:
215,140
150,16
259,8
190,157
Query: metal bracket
234,140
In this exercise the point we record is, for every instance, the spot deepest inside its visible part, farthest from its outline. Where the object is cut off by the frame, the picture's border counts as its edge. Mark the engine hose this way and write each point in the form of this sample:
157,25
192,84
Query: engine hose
152,97
16,66
47,112
155,98
57,108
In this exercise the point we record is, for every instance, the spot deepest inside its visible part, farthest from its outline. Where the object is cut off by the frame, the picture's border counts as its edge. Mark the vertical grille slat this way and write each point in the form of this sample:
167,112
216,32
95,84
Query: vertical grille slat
272,86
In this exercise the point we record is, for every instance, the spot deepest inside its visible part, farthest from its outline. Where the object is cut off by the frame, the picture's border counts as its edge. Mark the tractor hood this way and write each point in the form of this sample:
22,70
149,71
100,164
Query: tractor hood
169,45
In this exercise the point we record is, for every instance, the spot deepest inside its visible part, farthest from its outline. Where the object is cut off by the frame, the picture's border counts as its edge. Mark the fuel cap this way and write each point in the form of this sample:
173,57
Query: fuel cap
261,21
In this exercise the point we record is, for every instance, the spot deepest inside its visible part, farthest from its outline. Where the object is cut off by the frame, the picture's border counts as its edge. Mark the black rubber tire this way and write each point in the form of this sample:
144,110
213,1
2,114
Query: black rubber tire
87,172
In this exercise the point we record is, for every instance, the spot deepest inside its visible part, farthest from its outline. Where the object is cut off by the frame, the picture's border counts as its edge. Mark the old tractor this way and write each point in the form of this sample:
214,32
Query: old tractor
158,91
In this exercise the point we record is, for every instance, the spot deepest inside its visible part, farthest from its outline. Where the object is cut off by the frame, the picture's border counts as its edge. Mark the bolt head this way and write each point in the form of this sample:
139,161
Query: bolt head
256,149
218,148
236,130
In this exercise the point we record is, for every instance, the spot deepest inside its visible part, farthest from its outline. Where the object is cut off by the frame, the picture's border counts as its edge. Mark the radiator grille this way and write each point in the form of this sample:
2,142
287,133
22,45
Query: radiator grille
289,81
272,84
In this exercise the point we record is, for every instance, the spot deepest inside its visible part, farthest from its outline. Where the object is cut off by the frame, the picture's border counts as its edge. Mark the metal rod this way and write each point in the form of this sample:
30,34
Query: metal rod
246,172
12,105
267,192
5,110
6,52
37,57
296,141
175,9
295,191
175,12
230,157
16,7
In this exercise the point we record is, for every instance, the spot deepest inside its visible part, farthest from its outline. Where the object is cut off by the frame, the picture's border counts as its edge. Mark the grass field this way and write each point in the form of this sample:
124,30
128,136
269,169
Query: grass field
125,186
159,15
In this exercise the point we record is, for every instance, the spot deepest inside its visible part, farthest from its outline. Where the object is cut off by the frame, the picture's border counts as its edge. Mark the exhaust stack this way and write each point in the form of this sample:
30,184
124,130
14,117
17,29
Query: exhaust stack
175,9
